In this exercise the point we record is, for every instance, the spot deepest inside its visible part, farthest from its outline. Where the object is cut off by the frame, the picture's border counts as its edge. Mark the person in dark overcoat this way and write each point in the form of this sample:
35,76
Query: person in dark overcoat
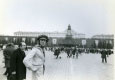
17,67
104,55
55,52
68,53
74,51
58,52
7,55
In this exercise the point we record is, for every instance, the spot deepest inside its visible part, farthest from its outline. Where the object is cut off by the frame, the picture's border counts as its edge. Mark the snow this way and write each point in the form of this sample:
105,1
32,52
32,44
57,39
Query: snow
86,67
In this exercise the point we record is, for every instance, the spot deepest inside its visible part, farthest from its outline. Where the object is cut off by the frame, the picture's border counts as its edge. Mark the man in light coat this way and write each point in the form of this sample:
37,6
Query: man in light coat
35,59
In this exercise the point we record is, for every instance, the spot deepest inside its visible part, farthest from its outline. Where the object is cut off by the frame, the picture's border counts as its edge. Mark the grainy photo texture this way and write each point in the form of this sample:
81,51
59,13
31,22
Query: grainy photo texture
57,39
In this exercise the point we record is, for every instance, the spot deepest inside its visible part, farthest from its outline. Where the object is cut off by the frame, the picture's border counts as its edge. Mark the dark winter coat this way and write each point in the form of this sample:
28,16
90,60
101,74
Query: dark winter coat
56,52
73,51
7,55
103,54
17,64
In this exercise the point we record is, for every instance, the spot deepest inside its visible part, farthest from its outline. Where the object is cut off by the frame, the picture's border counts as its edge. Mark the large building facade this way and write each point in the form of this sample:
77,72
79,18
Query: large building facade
57,38
102,36
50,34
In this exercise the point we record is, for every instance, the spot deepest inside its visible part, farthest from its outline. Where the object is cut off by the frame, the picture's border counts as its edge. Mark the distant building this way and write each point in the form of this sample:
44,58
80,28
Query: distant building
103,36
50,34
57,39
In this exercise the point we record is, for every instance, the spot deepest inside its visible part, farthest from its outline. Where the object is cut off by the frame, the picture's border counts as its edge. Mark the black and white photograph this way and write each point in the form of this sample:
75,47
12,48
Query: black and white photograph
57,39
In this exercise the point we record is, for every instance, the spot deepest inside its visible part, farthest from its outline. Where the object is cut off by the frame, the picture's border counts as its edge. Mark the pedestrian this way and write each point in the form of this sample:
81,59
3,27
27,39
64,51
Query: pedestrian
1,47
77,53
73,51
104,56
57,52
18,69
7,56
35,60
68,53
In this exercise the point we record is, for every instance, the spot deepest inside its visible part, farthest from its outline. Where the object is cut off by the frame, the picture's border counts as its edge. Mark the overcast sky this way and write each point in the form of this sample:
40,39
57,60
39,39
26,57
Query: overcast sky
90,17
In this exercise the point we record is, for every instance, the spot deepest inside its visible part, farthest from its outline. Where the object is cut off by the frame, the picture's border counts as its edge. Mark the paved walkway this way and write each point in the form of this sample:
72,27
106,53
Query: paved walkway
2,77
86,67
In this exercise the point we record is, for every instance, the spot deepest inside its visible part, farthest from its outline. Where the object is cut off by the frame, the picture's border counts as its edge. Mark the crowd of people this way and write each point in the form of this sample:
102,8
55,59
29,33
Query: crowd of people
75,52
21,63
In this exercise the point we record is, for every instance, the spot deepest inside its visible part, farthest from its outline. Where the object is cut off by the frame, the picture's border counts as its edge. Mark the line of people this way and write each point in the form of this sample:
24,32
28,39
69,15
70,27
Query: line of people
75,52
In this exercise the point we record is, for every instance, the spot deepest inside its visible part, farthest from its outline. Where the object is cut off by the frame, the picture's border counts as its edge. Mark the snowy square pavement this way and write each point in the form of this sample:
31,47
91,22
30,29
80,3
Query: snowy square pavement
86,67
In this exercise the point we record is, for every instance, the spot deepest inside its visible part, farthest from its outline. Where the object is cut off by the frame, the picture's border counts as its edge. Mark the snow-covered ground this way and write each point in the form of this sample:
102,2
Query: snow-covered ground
86,67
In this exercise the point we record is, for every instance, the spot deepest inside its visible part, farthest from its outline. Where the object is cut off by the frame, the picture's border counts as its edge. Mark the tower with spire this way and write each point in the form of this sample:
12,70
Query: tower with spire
69,32
68,41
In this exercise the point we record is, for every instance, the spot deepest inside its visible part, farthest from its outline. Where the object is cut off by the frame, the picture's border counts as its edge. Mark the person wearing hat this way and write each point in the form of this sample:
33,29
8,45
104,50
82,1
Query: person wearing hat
35,59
